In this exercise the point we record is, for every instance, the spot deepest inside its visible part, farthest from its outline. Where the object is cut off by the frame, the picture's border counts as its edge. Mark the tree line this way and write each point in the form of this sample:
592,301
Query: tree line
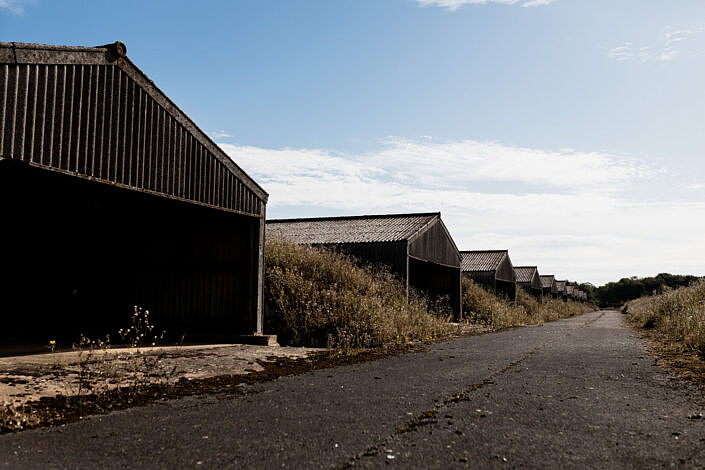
614,294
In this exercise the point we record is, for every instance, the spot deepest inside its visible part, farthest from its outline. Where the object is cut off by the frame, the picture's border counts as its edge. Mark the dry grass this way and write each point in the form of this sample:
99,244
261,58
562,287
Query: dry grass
315,297
679,313
483,307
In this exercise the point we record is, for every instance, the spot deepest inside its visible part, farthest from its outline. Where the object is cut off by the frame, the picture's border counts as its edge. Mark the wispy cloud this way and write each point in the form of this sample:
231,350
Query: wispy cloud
221,134
537,3
621,53
571,212
423,163
453,5
14,6
671,43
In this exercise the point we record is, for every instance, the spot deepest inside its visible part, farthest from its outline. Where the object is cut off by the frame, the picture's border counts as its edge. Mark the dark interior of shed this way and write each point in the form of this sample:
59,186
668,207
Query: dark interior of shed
78,255
441,283
506,289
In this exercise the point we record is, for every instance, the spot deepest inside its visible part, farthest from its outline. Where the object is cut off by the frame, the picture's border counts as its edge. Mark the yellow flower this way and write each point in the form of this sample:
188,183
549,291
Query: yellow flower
52,342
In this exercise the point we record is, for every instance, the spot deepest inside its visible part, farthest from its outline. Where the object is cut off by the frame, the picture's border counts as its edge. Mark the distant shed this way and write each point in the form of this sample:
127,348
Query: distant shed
416,247
528,278
492,269
548,285
116,198
570,292
560,289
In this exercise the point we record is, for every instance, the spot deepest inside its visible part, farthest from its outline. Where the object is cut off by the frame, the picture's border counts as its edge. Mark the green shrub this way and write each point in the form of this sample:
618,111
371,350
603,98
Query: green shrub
316,297
679,313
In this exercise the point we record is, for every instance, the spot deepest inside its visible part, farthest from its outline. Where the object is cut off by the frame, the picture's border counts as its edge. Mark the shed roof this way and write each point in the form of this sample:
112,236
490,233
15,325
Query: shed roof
482,260
90,112
560,285
547,280
354,229
525,273
569,290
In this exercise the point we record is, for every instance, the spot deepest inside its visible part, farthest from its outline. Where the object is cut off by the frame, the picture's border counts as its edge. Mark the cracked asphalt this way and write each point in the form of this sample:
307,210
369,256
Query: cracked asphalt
577,393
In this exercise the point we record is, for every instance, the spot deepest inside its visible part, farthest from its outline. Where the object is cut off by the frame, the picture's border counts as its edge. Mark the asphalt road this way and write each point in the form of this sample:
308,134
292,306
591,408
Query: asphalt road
578,393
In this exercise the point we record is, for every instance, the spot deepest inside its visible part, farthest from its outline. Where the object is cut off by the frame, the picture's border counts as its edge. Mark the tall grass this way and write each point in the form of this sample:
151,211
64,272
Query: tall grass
679,313
316,297
321,298
483,307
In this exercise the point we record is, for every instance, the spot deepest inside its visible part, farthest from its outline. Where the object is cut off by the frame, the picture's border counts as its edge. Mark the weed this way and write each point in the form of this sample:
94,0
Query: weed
317,297
679,313
483,307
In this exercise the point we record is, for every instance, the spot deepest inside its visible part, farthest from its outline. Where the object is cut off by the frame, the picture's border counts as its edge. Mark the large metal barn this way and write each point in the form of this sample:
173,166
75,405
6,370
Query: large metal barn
493,270
112,197
416,247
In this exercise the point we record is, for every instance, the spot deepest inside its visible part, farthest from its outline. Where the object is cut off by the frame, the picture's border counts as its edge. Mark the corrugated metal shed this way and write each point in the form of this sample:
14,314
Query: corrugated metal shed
529,279
492,269
117,198
548,284
356,229
417,247
90,112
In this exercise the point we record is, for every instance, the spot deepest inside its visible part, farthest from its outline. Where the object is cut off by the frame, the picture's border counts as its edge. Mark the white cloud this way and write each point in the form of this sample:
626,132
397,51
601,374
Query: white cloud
453,5
572,213
451,165
537,3
220,134
13,6
670,44
621,53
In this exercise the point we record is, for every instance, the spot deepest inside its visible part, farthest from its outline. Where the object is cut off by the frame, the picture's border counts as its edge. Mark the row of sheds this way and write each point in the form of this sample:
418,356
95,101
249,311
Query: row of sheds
116,198
493,269
420,250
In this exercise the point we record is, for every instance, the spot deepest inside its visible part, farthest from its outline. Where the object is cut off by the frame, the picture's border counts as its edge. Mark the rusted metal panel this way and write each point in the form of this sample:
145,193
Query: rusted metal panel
91,113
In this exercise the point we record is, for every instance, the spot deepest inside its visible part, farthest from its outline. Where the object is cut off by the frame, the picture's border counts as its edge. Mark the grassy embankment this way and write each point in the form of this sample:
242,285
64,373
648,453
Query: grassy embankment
316,297
677,313
480,306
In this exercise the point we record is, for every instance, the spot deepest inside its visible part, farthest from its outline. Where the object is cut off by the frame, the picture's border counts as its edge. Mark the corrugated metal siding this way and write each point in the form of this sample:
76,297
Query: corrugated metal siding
547,281
482,260
95,121
524,273
362,229
436,246
505,271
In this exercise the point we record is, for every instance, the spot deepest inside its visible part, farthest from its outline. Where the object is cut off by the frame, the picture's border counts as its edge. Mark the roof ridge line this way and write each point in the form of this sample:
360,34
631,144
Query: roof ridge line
354,217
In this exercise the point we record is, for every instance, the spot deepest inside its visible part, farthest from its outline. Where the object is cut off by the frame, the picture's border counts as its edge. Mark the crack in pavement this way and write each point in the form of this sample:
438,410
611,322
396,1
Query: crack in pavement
429,416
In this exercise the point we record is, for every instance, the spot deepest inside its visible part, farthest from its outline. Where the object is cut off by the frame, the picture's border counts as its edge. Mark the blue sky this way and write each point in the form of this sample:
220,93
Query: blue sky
569,131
